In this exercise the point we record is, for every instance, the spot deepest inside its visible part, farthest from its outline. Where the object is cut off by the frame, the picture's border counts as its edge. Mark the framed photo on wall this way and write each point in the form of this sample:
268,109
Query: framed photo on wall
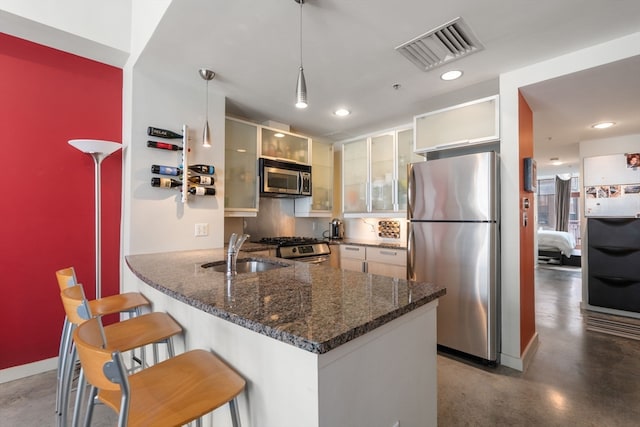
530,175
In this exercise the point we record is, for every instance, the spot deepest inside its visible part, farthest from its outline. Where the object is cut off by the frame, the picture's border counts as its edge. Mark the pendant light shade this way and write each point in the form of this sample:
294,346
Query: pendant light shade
207,75
301,86
301,90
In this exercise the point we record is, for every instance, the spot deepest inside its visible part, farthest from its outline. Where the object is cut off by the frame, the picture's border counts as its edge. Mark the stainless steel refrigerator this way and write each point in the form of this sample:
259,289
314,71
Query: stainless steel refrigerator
453,240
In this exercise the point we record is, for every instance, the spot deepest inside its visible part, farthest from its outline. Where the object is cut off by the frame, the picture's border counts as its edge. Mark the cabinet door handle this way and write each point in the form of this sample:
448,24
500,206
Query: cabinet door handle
616,280
392,253
616,250
351,248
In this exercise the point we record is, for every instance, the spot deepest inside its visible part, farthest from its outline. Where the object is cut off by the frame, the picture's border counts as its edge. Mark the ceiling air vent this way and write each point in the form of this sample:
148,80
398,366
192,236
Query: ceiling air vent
446,43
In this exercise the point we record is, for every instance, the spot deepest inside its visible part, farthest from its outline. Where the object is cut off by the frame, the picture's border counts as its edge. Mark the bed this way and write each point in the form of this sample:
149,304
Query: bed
555,244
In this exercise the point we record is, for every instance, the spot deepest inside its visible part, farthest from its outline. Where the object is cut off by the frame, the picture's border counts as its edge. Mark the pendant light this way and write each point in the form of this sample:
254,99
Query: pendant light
207,75
301,86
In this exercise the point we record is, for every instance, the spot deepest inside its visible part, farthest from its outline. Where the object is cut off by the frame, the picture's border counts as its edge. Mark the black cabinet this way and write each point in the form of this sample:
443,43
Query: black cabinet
614,263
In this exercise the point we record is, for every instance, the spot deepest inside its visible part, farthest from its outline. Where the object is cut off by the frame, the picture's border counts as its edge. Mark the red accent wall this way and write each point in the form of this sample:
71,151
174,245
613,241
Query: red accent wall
47,199
527,234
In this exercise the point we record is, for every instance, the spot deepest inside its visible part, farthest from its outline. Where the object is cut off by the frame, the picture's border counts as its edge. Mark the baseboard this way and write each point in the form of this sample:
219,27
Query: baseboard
530,351
23,371
521,363
625,327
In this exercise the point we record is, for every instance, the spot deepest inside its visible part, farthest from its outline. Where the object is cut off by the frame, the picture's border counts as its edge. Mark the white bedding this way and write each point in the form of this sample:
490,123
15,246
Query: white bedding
562,241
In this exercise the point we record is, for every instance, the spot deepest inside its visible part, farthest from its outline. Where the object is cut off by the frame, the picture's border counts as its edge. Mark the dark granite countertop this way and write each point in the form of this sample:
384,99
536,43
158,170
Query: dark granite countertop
312,307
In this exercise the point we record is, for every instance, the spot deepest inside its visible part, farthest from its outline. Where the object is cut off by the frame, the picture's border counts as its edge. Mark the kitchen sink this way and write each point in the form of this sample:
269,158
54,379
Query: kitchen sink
245,266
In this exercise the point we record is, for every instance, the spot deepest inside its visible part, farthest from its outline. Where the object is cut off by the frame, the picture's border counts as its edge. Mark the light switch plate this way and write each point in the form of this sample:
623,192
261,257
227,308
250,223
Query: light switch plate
202,229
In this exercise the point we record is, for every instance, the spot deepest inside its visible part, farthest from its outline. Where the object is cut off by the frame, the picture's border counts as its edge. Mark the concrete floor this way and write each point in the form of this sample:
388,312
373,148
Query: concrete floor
576,378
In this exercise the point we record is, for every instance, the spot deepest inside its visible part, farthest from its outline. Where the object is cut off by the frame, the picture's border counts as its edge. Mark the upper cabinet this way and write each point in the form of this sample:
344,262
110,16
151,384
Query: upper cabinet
281,145
320,204
374,172
469,123
240,173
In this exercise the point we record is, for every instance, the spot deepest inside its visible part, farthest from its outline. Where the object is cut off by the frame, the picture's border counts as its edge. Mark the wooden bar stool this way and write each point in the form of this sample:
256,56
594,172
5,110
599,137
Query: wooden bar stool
171,393
130,303
145,329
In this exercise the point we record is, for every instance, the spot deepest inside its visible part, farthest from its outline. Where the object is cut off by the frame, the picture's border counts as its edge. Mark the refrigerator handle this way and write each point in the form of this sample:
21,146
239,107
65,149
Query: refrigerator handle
411,189
411,254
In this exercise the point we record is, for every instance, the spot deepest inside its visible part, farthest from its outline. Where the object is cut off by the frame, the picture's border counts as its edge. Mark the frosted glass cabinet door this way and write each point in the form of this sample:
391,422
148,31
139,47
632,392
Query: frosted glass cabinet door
382,150
405,156
354,176
322,167
284,146
241,144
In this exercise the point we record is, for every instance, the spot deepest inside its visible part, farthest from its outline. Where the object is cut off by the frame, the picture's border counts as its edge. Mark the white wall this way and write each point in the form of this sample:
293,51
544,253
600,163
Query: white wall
92,29
594,56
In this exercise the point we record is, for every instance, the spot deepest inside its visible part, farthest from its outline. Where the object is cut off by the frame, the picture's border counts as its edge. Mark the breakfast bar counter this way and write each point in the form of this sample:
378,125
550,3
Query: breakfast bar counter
318,346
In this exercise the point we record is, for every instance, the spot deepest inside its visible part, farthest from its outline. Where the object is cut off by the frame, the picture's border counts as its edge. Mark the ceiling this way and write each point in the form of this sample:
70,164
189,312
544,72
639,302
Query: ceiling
350,61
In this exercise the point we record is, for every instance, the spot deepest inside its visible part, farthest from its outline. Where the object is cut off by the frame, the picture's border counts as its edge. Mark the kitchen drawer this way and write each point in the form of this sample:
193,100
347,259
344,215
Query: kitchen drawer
387,256
349,251
614,232
617,292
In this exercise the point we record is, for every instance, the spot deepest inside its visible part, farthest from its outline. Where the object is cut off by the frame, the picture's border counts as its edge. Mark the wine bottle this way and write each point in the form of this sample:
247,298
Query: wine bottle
163,145
202,191
162,133
206,169
165,182
202,180
165,170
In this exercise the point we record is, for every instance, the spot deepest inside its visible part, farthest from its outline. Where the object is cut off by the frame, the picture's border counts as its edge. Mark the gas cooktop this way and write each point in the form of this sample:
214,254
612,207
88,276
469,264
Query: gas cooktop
299,248
289,240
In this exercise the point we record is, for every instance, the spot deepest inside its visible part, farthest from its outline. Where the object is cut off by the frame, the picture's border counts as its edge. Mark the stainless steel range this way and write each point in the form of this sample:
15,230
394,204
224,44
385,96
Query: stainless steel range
303,249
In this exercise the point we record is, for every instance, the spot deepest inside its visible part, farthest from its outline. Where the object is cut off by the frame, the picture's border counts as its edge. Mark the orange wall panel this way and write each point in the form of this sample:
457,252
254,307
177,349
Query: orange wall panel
48,97
527,234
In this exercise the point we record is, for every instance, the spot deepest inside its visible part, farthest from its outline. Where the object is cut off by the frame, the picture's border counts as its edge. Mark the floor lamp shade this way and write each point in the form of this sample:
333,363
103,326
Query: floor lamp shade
98,150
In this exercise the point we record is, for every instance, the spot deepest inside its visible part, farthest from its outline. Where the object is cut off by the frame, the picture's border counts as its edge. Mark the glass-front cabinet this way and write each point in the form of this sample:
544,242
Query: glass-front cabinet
406,155
355,176
374,172
281,145
240,174
320,204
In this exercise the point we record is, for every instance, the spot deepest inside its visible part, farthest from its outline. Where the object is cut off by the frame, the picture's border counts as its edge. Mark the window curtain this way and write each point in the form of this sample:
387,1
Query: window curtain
563,197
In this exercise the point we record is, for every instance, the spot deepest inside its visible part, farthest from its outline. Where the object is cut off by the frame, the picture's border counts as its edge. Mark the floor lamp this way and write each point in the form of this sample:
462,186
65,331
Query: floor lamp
99,150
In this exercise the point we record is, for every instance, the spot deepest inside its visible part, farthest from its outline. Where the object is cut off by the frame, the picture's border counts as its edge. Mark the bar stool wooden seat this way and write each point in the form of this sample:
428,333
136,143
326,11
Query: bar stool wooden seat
130,303
126,302
145,329
171,393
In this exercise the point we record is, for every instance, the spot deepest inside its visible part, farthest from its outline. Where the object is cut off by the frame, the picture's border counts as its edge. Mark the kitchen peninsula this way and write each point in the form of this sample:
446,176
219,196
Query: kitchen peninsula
318,346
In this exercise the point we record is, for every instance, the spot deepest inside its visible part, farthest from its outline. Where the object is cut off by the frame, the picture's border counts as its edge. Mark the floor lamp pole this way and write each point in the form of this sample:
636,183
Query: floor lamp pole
98,150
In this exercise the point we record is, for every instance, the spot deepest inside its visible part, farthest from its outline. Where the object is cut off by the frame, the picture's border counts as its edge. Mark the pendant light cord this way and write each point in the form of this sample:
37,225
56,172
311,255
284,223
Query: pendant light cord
301,1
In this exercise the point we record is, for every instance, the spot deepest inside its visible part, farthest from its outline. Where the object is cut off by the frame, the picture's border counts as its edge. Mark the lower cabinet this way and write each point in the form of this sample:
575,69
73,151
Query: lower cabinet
389,262
614,257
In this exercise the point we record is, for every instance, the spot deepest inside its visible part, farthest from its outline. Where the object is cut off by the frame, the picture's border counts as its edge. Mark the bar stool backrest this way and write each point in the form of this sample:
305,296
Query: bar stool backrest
66,277
75,304
102,367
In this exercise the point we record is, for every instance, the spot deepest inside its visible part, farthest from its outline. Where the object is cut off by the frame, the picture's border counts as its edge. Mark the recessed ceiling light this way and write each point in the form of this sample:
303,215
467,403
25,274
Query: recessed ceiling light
278,135
603,125
555,161
342,112
451,75
241,150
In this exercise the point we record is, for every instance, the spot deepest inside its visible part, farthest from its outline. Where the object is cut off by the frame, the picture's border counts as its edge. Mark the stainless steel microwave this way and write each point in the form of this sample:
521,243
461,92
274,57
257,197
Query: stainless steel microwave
284,179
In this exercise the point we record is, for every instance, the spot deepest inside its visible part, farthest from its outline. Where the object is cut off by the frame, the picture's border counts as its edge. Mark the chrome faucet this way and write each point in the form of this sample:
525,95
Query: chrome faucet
235,244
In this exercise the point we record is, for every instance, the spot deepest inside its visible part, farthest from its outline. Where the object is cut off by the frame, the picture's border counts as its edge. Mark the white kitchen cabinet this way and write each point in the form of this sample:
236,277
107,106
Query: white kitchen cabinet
352,257
387,262
320,204
391,262
280,145
240,173
374,173
469,123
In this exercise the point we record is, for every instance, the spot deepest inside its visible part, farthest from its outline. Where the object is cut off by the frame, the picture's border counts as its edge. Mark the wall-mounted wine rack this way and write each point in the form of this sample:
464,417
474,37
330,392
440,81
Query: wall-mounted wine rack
183,161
